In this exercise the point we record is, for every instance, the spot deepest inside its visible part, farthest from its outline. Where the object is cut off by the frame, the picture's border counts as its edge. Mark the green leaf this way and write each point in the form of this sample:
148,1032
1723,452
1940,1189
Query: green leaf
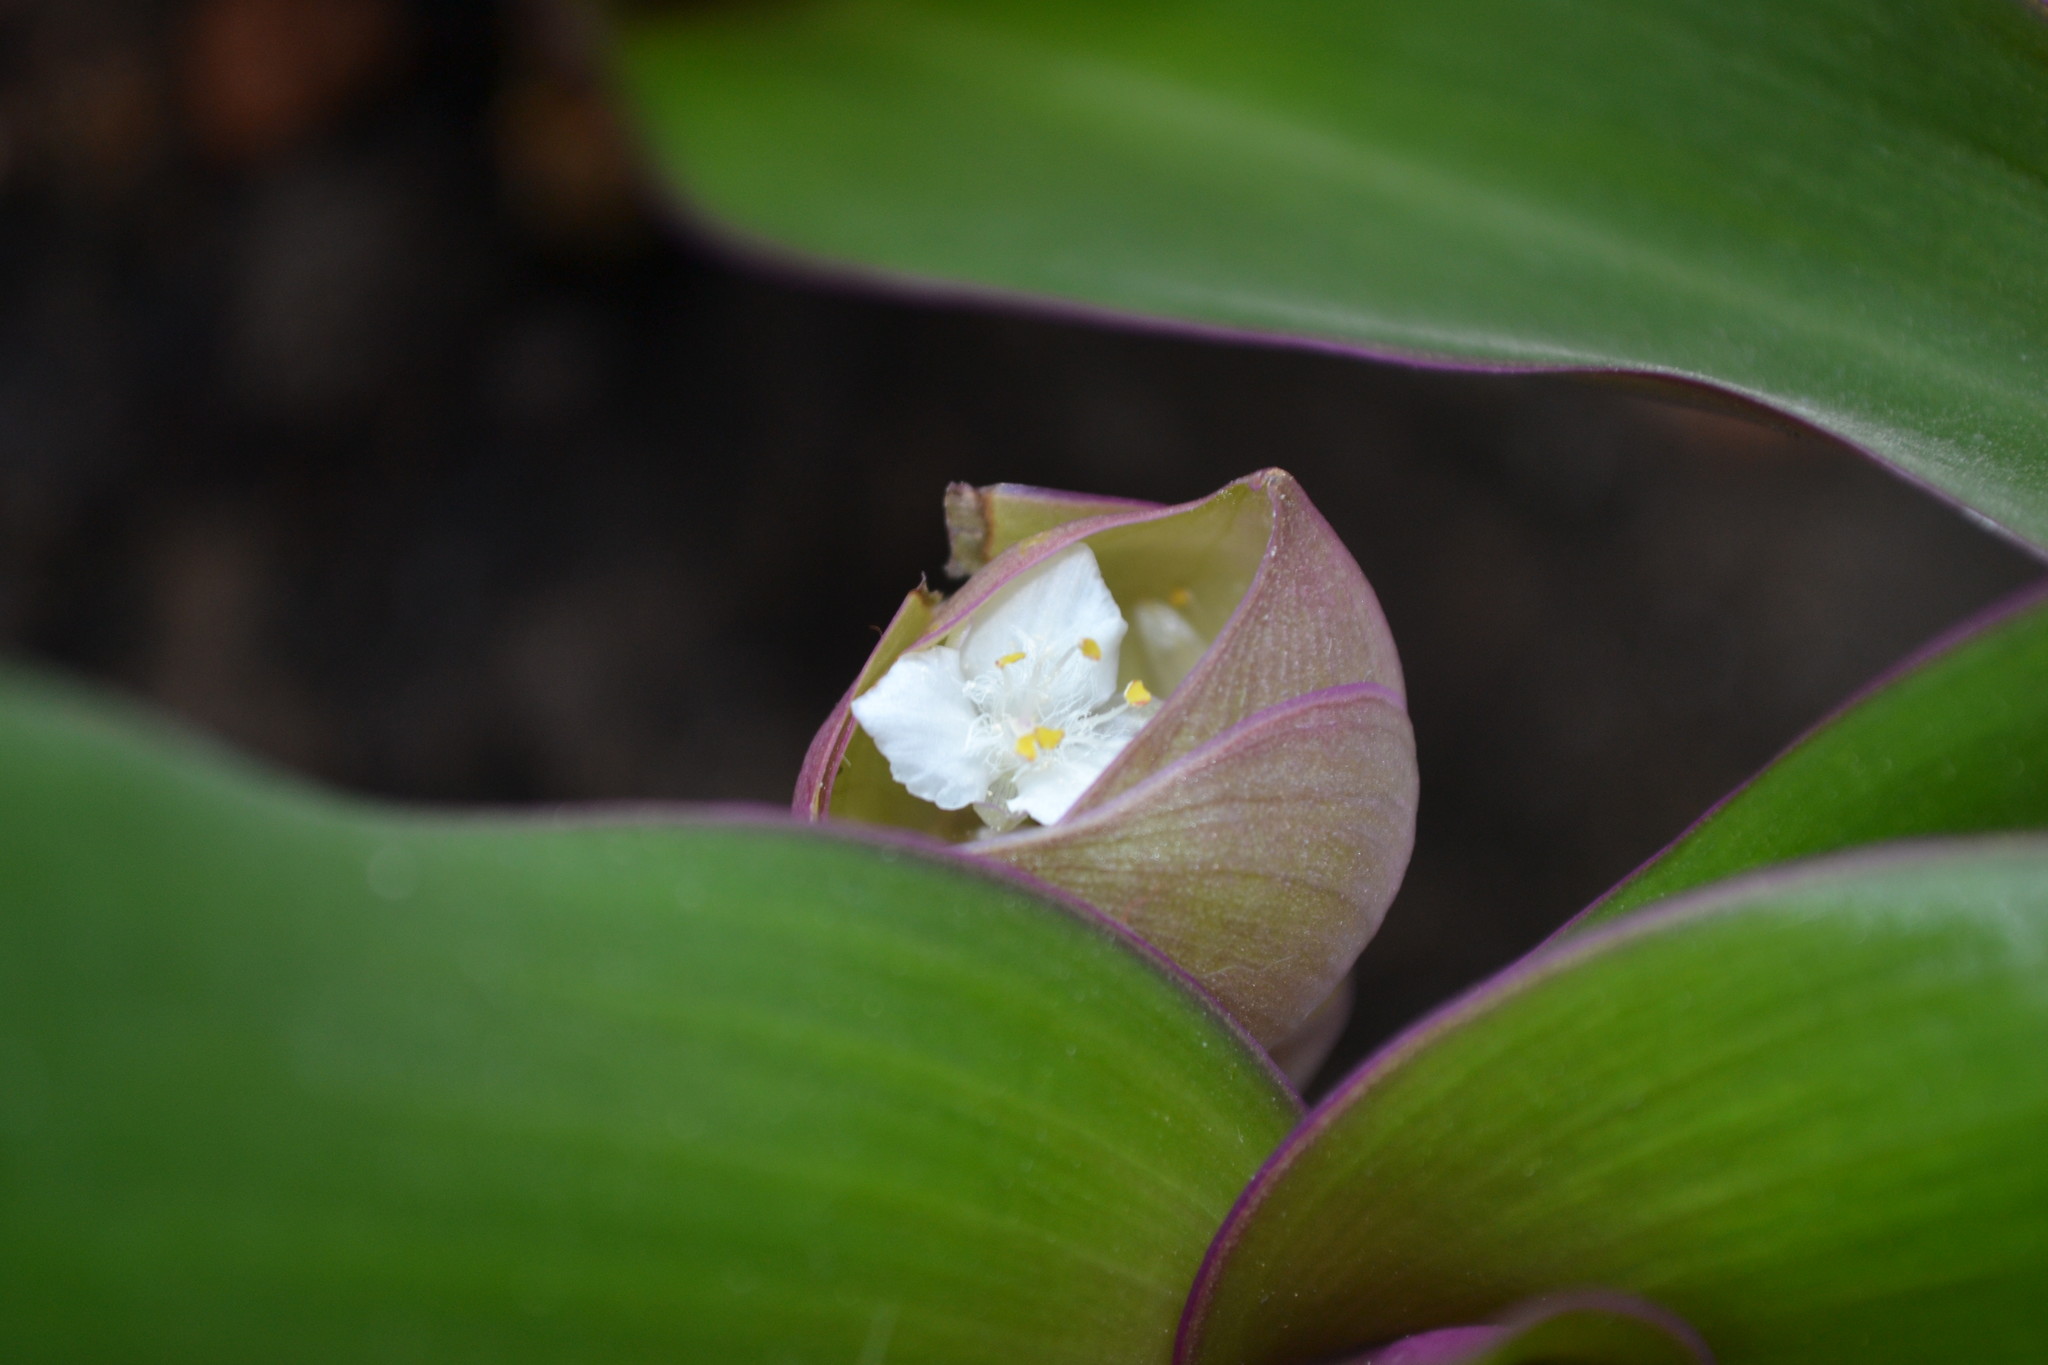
1956,743
1804,1112
284,1078
1836,207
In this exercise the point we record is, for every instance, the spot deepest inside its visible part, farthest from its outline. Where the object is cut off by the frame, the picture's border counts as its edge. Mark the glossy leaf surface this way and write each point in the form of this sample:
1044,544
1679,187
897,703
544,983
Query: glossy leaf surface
1957,743
287,1079
1803,1112
1836,207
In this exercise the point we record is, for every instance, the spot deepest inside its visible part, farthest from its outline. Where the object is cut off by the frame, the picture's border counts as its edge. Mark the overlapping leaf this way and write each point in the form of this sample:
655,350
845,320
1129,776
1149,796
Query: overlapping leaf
1837,207
1802,1111
283,1079
1957,743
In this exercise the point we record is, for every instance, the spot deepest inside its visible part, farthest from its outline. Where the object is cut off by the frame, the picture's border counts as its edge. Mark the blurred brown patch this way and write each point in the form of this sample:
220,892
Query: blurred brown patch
566,169
211,626
260,76
105,116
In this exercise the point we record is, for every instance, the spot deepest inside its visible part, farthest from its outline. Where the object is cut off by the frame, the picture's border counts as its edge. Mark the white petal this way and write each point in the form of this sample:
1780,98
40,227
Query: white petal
1052,608
1048,789
1170,647
920,718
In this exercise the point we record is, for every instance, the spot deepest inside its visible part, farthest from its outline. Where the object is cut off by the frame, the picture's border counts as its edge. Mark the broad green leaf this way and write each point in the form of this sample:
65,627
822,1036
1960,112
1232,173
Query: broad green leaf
283,1078
1804,1112
1835,207
1957,743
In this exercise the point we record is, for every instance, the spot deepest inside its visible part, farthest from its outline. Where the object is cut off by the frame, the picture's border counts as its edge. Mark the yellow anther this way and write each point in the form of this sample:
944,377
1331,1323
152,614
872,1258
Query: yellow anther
1009,659
1137,694
1179,597
1089,649
1027,747
1047,737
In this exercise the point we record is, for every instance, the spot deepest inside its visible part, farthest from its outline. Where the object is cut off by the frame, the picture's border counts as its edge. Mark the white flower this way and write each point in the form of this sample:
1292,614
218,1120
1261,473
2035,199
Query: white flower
1018,712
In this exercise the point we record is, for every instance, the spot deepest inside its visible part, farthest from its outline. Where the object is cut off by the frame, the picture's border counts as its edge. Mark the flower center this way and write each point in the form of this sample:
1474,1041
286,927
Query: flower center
1019,711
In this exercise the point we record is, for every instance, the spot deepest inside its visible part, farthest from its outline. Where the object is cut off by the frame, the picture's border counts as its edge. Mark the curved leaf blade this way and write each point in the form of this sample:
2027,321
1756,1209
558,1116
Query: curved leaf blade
1834,207
1803,1112
1956,742
283,1078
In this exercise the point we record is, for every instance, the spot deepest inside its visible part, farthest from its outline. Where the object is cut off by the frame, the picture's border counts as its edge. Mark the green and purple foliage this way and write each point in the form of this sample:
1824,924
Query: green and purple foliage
286,1076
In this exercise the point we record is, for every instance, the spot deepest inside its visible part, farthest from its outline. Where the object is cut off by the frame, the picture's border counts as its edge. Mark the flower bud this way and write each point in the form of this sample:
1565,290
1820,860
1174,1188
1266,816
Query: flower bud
1190,716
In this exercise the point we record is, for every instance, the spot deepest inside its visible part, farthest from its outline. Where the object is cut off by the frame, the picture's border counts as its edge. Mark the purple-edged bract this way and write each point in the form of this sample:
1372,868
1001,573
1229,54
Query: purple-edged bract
1190,716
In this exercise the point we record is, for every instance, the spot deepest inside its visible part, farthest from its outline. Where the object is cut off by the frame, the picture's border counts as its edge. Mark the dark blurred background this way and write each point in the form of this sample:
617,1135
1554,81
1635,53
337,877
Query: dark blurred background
355,406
